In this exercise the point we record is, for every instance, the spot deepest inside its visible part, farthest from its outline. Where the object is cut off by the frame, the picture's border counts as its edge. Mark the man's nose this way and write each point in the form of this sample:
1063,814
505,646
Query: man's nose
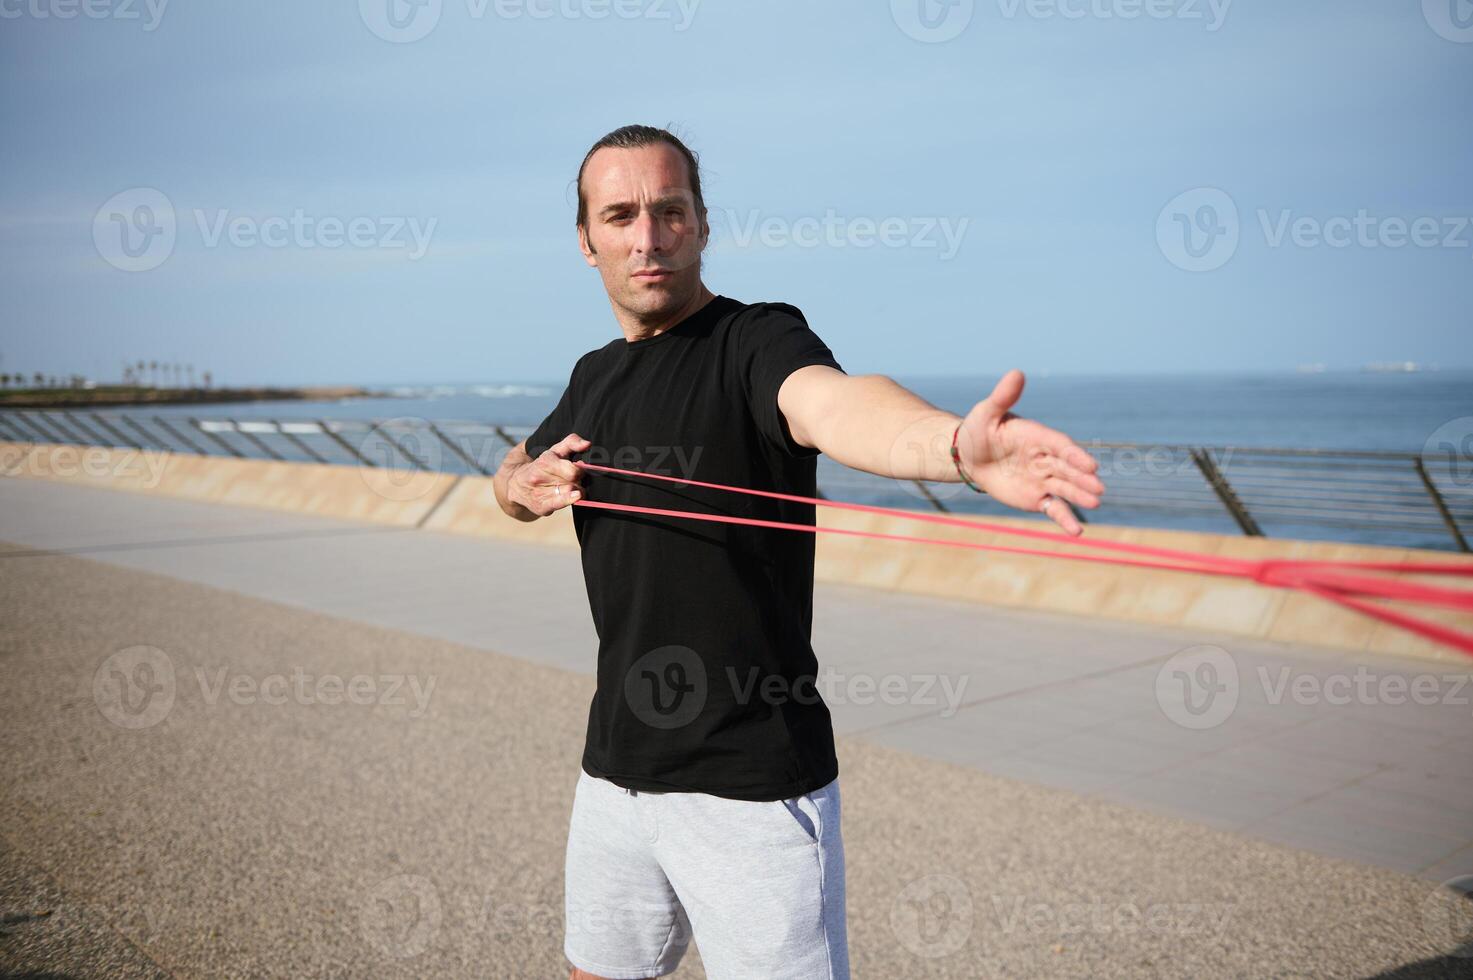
647,234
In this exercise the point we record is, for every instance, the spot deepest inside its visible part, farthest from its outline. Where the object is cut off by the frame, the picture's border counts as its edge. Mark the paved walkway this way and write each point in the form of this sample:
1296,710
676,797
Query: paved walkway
235,808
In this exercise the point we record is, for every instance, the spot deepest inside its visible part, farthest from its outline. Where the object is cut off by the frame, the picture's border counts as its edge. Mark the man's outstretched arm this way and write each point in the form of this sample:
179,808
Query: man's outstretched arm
870,423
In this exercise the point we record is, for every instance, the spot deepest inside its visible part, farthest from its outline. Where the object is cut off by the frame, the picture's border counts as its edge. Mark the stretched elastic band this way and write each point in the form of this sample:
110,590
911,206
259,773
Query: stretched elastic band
1326,579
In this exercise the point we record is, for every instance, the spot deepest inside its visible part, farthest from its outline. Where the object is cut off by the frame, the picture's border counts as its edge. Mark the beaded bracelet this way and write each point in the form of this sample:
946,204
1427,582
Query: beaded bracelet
956,457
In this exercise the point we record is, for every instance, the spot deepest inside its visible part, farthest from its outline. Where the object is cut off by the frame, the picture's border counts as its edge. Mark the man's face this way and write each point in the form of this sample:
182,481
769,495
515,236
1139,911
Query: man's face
643,233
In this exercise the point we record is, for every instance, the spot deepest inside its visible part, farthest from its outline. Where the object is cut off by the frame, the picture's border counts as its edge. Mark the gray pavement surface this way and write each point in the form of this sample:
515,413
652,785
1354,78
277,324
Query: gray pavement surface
1035,830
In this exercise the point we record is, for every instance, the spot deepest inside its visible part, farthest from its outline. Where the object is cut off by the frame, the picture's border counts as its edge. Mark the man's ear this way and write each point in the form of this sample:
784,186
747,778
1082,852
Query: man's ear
586,247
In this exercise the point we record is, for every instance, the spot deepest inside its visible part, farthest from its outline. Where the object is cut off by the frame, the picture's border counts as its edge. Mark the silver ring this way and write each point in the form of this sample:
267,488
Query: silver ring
1047,499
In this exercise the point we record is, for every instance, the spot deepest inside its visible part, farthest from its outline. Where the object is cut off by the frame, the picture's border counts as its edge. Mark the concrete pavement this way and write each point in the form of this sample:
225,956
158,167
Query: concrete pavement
985,826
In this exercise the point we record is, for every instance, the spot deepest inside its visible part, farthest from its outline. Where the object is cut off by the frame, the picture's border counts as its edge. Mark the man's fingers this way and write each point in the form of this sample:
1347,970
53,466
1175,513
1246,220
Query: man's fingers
552,468
1084,481
1058,511
1068,491
570,444
554,497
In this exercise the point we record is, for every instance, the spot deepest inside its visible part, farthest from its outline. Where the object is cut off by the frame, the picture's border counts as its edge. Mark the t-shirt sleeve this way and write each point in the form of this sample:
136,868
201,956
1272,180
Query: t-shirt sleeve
776,341
559,421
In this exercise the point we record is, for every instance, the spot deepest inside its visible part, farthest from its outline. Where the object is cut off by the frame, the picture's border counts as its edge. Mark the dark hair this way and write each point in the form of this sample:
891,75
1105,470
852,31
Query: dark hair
633,137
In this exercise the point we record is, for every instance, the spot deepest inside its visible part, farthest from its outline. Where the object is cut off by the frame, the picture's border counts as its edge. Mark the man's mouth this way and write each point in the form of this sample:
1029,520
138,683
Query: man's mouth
654,275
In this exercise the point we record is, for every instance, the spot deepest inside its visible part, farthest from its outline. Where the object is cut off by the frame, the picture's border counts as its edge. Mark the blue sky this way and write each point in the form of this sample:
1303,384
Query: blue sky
1069,148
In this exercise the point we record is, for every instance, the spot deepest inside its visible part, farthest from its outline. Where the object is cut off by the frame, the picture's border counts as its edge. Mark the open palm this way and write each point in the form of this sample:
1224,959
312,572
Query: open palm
1021,462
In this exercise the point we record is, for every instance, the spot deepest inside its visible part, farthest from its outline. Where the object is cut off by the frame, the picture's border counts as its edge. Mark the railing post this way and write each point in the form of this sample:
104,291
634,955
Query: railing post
11,426
345,444
378,426
1225,493
86,439
114,432
931,497
218,441
50,437
456,449
292,437
259,444
103,441
159,420
1447,517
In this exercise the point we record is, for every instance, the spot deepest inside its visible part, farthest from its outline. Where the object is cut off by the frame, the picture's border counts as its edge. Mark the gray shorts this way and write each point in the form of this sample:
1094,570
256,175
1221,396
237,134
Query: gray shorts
760,885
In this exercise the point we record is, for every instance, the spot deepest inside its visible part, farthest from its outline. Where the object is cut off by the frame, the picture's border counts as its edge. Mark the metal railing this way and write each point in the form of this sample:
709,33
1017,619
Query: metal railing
1360,495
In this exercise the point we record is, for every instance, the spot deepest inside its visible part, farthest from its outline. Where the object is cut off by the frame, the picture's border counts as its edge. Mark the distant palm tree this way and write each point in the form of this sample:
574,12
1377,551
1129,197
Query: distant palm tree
38,378
191,375
142,366
208,377
153,373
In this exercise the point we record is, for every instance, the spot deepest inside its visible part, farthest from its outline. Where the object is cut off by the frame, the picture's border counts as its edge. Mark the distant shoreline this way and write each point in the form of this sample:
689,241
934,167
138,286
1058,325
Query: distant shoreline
119,395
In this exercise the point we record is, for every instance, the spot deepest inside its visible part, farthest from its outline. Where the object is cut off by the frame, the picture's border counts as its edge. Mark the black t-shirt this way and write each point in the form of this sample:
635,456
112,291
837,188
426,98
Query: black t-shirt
705,664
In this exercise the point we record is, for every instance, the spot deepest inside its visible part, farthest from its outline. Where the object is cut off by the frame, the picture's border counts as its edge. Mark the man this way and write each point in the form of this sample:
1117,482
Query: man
709,797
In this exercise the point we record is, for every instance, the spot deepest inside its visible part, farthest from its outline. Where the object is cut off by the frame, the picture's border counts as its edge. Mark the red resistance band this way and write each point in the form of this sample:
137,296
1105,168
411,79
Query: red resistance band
1327,579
